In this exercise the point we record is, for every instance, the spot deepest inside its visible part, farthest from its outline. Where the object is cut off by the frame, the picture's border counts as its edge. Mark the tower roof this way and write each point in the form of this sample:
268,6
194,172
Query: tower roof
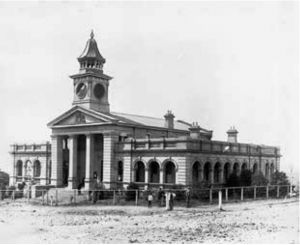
91,50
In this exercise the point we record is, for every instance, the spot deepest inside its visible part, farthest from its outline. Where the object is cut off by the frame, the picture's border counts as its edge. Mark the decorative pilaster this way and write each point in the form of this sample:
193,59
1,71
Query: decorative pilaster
72,180
89,159
56,158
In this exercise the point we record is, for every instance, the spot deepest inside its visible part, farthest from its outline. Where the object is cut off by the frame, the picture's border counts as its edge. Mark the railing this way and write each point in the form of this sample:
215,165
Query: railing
197,145
198,197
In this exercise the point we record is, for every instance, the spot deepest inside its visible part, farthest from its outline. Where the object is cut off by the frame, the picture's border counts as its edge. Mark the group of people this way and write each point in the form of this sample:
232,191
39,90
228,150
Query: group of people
168,197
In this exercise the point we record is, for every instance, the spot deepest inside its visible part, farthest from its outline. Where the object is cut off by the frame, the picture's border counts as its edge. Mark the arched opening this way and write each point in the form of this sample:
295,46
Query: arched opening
196,175
254,170
244,166
19,168
170,173
139,172
217,172
65,172
120,171
236,168
267,170
37,168
226,171
154,172
206,171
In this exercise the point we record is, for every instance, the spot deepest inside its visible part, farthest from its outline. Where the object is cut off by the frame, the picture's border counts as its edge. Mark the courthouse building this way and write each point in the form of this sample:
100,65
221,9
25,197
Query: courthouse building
90,141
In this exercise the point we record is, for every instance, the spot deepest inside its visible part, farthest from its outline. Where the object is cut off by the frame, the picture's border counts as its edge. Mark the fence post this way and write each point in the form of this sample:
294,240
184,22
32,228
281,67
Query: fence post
226,195
277,191
242,194
254,193
114,198
136,197
47,198
220,200
56,197
267,191
210,195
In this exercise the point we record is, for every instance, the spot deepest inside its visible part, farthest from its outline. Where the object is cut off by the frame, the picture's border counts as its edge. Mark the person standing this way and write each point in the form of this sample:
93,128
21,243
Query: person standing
160,197
150,199
188,197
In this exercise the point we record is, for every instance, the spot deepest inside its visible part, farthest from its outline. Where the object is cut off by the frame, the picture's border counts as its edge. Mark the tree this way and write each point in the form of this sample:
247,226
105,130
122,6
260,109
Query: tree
279,178
245,178
233,180
259,179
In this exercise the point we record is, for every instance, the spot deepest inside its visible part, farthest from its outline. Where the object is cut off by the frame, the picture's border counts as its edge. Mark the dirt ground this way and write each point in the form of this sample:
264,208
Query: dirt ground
269,221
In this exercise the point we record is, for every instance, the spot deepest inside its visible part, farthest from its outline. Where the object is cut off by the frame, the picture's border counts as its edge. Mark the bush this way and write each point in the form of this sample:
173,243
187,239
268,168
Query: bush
130,193
245,178
259,179
233,180
279,178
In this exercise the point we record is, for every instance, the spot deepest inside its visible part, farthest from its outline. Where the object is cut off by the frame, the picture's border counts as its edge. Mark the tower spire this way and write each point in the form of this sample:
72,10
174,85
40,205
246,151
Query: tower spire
92,34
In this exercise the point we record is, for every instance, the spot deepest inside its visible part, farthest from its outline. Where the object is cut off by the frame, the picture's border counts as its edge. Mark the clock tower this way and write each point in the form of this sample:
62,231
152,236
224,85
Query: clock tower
91,84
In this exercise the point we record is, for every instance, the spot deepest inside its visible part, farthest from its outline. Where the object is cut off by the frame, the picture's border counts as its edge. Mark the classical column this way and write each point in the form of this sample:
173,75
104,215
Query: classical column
147,177
109,140
72,144
56,159
89,159
161,176
221,174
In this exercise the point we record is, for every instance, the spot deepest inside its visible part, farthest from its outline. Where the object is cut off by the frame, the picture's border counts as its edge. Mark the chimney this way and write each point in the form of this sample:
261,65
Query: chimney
232,135
195,130
169,120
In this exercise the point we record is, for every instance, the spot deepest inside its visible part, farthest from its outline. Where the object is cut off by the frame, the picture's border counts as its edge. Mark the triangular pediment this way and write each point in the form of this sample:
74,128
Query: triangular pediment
80,116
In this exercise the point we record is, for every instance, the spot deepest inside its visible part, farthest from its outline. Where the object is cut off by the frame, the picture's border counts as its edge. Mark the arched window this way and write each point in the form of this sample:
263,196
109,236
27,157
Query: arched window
154,172
19,168
139,172
196,172
236,168
36,168
120,171
244,166
255,168
217,171
226,171
206,171
169,173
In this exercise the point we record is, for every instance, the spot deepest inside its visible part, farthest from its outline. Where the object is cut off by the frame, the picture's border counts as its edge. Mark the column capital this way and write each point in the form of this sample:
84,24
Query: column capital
72,136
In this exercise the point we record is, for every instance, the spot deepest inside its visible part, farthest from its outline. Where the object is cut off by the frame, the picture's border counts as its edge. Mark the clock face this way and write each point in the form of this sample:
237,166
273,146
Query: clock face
81,90
99,91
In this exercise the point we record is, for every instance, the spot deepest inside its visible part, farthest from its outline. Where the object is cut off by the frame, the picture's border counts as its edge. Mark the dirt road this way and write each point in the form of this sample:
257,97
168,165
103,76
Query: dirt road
272,221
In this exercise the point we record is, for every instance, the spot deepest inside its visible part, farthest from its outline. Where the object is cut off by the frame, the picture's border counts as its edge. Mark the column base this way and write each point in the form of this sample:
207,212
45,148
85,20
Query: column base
72,184
88,184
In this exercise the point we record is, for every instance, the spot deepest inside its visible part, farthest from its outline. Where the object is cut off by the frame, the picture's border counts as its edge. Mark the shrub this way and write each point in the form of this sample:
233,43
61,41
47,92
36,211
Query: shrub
233,180
245,178
279,178
259,179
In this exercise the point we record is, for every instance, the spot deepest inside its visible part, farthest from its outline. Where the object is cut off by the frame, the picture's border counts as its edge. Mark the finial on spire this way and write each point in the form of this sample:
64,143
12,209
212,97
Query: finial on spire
92,34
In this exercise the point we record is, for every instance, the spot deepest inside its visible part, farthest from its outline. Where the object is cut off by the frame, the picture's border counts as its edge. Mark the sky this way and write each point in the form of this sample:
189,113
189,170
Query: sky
221,64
